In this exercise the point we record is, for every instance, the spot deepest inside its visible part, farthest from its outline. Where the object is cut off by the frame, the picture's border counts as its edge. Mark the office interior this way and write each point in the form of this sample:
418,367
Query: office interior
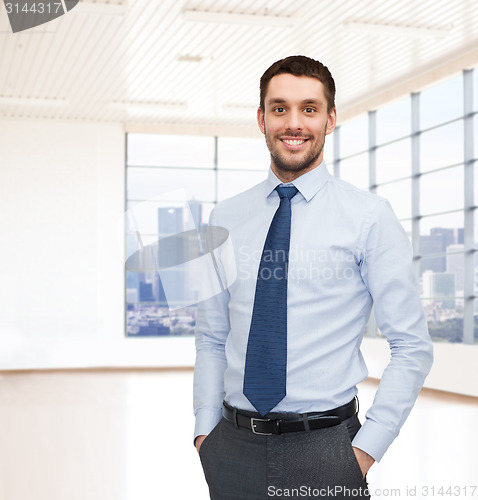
121,102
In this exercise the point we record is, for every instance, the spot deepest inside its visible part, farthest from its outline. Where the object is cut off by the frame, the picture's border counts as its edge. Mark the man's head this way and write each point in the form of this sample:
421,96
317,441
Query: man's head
297,111
300,66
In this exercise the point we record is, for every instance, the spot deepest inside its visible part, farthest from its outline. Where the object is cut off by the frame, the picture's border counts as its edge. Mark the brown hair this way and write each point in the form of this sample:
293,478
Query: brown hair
300,66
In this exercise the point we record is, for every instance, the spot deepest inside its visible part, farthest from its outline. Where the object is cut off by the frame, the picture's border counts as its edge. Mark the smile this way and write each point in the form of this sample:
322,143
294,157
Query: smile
294,142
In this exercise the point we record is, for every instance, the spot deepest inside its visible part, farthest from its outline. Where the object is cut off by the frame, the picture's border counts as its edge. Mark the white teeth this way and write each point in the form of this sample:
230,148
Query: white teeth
294,142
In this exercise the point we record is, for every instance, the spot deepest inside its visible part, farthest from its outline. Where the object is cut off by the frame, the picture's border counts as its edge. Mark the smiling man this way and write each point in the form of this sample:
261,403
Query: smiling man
278,352
298,119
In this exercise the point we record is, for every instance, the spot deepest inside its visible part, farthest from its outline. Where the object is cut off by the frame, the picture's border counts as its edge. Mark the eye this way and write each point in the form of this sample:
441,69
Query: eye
279,110
309,110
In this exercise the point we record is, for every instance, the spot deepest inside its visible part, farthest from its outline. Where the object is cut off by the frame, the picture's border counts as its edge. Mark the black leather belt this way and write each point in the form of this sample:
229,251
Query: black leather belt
293,422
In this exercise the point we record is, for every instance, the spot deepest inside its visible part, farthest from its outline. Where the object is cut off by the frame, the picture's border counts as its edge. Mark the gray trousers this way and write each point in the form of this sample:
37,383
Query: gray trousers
240,465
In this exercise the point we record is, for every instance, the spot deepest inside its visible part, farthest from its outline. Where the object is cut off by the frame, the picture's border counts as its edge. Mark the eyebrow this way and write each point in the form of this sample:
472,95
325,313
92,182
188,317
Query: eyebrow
279,100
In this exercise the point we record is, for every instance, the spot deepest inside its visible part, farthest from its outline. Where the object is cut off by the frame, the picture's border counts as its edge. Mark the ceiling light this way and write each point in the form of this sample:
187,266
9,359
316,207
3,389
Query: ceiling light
200,16
148,107
190,59
244,108
397,30
27,101
101,8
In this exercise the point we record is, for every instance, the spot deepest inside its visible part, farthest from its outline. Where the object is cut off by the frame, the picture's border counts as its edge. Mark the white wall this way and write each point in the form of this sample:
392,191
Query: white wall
454,368
62,191
62,260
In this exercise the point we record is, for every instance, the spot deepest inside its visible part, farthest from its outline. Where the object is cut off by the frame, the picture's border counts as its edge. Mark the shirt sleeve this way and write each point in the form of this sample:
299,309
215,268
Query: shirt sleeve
212,329
387,271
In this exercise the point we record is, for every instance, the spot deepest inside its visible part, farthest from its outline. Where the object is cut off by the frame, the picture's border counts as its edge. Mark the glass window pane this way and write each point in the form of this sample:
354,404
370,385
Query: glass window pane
475,89
442,102
354,136
475,175
443,275
475,130
243,154
435,264
442,147
394,120
147,318
440,231
148,302
355,170
442,191
147,183
329,149
232,183
394,161
475,273
444,314
455,265
143,216
399,194
170,150
444,271
475,217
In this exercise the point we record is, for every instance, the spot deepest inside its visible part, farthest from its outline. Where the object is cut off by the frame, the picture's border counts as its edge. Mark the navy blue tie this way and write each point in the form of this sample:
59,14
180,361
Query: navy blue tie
266,357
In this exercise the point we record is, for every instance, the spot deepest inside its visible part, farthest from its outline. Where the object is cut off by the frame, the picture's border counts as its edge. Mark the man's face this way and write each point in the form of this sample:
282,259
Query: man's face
295,122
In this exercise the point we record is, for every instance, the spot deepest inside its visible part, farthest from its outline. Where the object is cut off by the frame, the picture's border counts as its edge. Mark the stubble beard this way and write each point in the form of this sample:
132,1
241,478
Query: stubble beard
288,164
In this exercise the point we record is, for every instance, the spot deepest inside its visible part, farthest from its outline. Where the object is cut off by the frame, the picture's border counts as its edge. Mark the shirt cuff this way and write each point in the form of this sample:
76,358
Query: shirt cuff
374,439
206,420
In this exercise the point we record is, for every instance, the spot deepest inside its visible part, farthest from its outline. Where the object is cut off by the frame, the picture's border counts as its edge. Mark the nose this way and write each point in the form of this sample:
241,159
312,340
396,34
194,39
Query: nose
294,120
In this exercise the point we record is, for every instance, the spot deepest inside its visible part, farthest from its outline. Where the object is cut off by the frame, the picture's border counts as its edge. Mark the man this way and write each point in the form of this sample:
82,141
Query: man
278,351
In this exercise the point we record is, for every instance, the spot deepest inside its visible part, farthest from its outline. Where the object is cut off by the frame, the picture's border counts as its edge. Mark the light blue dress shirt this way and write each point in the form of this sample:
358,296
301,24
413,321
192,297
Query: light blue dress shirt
347,251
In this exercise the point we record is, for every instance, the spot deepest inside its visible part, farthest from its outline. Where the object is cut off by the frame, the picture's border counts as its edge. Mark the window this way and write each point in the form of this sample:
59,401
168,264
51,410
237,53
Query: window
442,190
475,128
475,217
394,161
475,90
354,136
441,103
173,183
355,170
442,147
394,121
439,231
439,182
170,151
399,194
242,154
147,182
230,183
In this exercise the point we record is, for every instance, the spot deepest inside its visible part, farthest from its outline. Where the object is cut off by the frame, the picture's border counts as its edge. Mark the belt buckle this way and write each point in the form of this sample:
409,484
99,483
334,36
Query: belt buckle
253,426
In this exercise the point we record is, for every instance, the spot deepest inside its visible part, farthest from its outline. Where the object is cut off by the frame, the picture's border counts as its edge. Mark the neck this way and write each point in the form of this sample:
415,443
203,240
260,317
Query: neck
290,175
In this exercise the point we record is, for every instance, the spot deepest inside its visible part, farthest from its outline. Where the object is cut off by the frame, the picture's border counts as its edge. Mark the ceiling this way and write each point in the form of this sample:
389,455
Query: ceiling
152,66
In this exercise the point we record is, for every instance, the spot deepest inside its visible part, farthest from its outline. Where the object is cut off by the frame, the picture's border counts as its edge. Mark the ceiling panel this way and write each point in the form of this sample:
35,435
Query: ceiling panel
148,66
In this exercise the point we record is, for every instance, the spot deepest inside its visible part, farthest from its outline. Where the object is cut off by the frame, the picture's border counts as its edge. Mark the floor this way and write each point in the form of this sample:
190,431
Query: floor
127,435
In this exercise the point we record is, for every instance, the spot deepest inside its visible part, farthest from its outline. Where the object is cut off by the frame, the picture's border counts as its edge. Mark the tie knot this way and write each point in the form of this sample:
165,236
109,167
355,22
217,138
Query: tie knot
286,192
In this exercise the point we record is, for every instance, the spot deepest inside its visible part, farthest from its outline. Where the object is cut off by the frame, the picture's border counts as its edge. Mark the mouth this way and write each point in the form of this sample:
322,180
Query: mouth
293,143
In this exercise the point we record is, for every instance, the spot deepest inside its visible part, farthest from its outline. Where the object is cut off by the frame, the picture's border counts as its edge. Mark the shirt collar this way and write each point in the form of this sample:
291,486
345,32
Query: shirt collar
308,184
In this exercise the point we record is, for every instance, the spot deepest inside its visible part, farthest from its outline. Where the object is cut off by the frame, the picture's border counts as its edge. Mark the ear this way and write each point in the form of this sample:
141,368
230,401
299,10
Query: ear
331,122
260,120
